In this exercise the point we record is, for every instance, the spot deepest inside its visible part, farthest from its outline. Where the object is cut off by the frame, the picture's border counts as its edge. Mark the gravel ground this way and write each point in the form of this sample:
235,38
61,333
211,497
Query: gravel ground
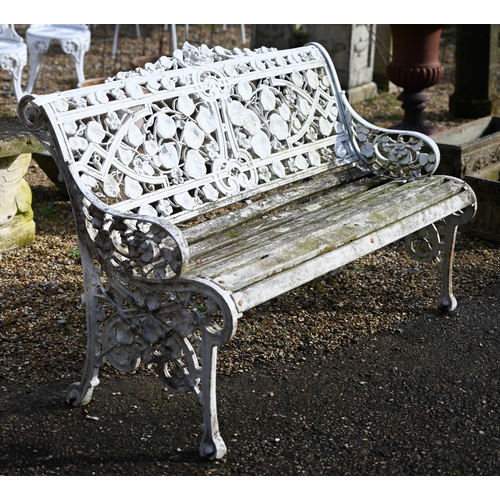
352,374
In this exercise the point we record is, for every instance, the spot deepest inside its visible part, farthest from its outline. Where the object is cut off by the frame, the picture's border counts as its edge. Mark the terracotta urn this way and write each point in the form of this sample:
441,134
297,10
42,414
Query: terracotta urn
414,67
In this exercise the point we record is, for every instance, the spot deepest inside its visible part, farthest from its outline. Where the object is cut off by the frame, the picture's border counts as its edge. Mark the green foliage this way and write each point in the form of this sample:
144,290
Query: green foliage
47,211
74,253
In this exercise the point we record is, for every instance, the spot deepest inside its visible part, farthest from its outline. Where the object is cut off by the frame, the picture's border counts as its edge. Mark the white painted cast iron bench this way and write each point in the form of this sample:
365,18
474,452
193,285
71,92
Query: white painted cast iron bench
211,182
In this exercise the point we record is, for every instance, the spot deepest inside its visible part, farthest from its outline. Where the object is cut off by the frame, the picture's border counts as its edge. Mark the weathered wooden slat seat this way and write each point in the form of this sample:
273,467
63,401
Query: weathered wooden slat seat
211,182
251,260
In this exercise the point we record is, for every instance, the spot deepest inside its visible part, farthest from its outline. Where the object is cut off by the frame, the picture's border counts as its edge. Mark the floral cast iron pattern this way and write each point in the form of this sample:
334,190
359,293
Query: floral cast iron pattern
148,250
215,127
392,153
233,121
157,146
205,136
426,244
162,326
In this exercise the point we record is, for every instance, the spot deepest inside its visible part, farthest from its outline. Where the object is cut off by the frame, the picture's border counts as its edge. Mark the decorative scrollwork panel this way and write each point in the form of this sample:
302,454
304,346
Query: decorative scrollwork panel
426,244
174,144
164,326
393,153
143,249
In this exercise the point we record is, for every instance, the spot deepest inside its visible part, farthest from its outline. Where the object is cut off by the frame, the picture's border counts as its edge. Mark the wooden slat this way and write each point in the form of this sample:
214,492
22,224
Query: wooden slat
247,230
262,291
332,206
274,201
283,248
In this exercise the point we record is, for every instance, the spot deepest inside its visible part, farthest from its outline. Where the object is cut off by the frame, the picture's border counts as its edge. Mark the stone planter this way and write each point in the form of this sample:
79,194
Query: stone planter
351,47
17,227
486,185
470,147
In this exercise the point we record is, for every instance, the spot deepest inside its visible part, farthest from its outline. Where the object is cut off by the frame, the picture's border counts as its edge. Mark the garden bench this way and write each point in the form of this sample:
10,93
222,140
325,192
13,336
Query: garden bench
215,180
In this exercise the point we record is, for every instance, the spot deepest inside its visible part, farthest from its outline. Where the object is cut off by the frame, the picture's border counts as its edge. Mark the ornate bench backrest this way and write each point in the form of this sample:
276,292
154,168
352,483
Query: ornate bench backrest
200,130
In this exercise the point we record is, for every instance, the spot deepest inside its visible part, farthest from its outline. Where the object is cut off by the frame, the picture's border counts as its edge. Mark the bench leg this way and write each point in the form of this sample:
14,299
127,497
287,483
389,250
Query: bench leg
177,325
213,334
437,241
447,301
212,445
80,393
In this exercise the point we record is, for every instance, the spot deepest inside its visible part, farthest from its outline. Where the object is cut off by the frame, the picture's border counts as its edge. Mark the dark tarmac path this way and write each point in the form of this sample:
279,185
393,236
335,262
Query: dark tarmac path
422,399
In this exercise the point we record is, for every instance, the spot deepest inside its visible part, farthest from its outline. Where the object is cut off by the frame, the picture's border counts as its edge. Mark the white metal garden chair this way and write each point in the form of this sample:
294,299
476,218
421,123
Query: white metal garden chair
74,40
13,56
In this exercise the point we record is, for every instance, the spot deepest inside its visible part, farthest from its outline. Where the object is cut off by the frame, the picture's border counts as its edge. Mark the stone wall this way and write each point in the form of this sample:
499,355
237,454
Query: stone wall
351,47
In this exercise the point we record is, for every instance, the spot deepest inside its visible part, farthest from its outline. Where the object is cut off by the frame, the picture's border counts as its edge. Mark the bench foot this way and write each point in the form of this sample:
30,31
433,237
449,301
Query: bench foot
80,394
213,449
212,445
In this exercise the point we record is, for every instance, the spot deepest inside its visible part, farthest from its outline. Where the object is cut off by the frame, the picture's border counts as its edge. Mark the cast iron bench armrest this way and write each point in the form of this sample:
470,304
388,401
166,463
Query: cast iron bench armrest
397,154
137,246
